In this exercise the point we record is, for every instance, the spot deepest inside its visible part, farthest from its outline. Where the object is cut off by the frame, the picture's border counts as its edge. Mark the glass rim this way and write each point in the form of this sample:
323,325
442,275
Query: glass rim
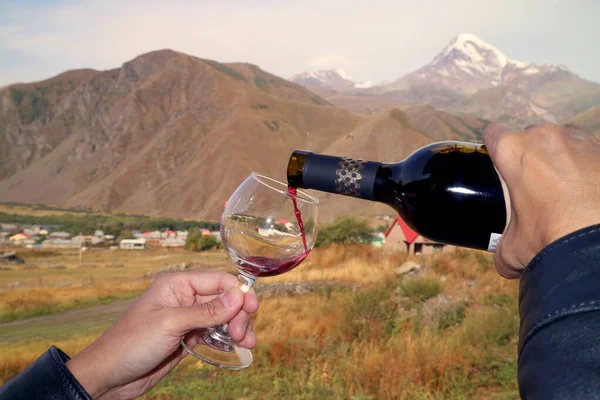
301,195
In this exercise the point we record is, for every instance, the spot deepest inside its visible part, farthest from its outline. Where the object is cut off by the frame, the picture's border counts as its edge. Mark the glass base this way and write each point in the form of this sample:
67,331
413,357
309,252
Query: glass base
212,348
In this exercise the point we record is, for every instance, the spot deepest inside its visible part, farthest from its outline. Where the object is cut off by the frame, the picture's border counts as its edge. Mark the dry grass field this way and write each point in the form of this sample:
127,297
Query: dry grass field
362,332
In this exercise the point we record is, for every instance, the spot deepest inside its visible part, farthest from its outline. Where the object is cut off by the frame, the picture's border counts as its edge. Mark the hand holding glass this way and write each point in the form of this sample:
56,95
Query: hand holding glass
266,230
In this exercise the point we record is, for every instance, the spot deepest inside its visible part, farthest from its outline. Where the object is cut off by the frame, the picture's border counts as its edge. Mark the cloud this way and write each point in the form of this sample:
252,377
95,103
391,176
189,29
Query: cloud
375,40
331,61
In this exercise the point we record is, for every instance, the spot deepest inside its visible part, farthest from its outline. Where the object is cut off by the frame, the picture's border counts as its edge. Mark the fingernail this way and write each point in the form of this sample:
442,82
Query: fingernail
230,296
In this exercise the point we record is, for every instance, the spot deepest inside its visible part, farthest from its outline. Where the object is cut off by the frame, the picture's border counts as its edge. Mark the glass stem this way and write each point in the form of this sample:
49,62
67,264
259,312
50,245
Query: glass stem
245,282
220,333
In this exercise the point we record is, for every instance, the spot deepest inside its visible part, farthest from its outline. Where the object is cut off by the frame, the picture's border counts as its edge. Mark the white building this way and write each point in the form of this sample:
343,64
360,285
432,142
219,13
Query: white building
59,235
60,244
173,242
132,244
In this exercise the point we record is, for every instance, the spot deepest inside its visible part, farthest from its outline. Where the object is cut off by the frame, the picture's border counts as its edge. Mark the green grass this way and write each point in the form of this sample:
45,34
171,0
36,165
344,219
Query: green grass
226,70
47,309
420,289
31,105
336,343
273,125
259,106
318,100
110,224
261,82
401,117
452,317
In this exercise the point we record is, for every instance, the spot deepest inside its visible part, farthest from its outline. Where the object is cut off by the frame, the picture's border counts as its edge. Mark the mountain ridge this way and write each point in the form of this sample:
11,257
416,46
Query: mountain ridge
171,134
465,72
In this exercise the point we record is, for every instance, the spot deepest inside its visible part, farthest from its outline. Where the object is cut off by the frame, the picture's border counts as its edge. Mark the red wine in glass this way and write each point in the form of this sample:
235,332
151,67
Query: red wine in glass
265,266
278,254
293,193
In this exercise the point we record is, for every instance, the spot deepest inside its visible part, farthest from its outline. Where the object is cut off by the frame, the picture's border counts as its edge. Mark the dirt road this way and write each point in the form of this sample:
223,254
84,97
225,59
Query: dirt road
62,325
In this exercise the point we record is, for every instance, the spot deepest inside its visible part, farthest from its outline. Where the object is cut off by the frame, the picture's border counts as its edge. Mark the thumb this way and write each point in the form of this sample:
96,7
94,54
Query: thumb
219,310
492,135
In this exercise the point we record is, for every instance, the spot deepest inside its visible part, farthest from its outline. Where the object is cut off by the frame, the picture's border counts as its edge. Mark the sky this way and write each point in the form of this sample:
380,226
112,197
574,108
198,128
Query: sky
373,40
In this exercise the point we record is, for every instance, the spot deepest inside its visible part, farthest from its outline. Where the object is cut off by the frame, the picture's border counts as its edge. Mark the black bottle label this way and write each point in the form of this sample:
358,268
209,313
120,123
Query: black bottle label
343,175
349,176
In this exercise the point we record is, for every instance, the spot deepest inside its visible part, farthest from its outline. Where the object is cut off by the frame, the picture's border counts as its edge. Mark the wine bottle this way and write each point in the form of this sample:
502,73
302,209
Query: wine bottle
448,192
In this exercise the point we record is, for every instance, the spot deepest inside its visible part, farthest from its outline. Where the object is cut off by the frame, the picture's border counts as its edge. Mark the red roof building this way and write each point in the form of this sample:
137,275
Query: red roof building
401,237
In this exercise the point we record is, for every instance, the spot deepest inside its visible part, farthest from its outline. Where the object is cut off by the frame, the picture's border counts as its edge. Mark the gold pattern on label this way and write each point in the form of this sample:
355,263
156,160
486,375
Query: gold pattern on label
349,176
466,148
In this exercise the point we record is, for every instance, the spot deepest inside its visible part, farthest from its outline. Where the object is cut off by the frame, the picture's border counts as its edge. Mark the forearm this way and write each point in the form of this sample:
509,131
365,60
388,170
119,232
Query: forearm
559,350
47,378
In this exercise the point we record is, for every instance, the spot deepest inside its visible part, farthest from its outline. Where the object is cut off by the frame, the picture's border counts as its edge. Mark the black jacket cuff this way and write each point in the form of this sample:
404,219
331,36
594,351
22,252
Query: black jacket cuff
561,280
47,378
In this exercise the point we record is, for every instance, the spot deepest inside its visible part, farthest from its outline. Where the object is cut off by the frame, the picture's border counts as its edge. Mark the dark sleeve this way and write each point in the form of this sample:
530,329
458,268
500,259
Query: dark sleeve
559,304
47,378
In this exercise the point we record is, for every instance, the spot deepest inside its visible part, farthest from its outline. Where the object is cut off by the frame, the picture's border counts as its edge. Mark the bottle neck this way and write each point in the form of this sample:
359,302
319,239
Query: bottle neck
340,175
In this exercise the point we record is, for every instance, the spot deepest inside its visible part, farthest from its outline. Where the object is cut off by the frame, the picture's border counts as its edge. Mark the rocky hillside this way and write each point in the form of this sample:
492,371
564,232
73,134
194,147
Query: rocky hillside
170,134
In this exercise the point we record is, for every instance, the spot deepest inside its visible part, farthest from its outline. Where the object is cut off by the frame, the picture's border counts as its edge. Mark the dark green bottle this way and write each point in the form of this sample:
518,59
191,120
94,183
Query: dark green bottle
447,191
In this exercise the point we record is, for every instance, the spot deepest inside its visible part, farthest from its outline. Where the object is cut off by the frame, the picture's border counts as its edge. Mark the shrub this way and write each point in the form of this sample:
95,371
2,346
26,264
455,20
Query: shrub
420,289
198,242
453,316
370,311
207,242
273,125
126,234
226,70
345,230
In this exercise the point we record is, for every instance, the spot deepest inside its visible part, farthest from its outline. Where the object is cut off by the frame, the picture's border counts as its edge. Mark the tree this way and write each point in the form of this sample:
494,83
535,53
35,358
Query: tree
191,242
345,230
382,228
125,234
198,242
207,242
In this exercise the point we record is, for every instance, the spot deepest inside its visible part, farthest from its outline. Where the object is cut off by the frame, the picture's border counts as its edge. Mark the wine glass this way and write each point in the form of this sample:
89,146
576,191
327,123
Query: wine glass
267,229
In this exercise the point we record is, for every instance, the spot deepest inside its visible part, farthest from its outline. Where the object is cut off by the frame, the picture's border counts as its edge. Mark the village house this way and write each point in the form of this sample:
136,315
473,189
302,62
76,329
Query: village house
173,242
19,238
400,237
132,244
10,228
59,235
31,231
168,234
95,240
79,239
60,244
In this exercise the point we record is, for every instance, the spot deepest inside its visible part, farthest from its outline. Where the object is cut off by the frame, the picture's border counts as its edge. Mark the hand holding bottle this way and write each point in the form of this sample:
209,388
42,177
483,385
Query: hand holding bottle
552,174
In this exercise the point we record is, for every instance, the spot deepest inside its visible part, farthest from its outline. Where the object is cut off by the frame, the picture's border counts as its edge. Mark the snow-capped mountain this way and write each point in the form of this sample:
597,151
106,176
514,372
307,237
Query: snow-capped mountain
474,77
469,64
469,76
336,79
